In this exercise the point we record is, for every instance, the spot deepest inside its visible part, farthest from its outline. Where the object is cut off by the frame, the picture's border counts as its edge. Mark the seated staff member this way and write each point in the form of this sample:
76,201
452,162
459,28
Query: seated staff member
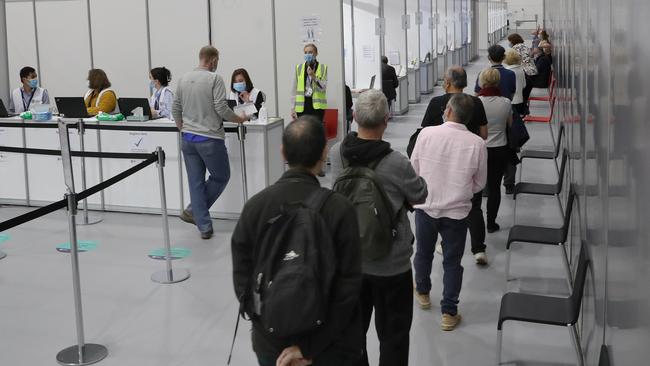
161,96
310,86
29,93
100,97
242,89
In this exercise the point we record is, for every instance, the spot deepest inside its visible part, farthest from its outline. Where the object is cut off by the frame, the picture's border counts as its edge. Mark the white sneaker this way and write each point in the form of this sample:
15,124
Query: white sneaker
481,258
439,248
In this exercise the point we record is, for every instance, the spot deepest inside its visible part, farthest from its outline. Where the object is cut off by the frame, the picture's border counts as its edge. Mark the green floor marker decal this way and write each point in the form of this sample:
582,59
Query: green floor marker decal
4,238
83,245
177,253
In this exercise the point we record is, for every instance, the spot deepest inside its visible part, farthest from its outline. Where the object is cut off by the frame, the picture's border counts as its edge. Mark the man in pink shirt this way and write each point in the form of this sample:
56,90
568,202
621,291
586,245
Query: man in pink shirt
453,162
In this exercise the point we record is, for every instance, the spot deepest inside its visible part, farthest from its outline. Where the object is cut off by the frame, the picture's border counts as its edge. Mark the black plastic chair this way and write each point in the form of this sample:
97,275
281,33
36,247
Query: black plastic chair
543,154
544,236
542,189
540,309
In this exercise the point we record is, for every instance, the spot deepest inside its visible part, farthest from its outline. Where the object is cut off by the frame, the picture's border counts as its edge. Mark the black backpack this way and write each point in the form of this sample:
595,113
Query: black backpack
296,259
374,212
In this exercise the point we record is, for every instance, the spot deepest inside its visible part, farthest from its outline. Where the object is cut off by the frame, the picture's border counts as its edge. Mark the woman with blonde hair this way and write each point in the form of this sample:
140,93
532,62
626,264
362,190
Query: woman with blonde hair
512,62
499,115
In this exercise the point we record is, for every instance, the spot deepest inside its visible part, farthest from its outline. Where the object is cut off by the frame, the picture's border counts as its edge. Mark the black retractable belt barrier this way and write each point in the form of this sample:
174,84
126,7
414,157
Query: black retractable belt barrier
87,154
42,211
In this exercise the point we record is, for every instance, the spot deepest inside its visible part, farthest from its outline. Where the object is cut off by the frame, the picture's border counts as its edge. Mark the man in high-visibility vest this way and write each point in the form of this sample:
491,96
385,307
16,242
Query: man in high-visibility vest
310,86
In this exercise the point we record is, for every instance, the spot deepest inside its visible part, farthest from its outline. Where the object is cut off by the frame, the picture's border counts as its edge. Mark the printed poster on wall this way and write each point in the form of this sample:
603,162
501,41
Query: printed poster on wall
310,29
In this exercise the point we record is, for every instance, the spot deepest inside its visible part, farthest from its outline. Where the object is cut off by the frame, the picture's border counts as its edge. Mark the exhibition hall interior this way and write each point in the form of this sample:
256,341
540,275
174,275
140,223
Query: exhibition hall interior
340,182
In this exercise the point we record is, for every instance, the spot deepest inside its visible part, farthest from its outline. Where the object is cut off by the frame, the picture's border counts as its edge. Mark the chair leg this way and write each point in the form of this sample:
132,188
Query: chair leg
567,266
557,168
559,202
508,257
575,337
514,209
499,346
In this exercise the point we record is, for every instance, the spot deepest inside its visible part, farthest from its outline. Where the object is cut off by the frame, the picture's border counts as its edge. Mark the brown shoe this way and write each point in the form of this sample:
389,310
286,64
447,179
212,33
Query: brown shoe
187,217
423,300
450,322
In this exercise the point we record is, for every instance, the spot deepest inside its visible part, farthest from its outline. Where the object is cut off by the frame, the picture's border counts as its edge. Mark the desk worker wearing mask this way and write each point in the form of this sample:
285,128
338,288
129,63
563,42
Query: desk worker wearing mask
310,86
100,97
242,90
161,96
29,93
199,110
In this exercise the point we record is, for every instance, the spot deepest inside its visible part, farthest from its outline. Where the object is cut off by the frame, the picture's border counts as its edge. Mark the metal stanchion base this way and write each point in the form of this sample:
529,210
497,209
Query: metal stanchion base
177,275
92,220
92,353
2,254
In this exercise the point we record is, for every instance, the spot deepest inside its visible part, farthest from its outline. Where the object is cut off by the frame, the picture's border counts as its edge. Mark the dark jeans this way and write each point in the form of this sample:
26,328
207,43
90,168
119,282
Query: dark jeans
454,233
331,356
519,108
509,174
199,156
309,110
476,224
392,299
498,158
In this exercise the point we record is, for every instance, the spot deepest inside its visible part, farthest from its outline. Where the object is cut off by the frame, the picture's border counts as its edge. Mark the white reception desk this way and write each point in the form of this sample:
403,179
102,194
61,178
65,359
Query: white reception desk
37,180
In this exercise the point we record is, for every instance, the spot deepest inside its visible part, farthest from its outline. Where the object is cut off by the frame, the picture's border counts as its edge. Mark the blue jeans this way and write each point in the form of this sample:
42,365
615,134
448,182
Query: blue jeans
454,233
199,156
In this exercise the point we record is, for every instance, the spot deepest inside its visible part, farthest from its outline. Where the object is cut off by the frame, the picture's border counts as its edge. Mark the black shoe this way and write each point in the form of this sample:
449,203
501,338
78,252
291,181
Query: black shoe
322,173
493,227
510,189
207,235
485,193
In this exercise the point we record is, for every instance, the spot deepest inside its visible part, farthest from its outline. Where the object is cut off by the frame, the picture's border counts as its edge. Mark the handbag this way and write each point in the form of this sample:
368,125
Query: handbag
517,132
412,140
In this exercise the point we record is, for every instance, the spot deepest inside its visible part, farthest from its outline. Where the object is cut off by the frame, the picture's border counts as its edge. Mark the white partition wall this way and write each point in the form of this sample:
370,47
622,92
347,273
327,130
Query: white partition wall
120,48
64,46
173,46
395,38
348,43
21,39
367,44
413,32
243,33
426,29
326,19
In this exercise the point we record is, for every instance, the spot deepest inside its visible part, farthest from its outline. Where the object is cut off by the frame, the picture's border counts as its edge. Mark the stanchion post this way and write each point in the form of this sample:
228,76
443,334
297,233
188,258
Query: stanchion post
241,135
86,220
82,353
2,254
169,275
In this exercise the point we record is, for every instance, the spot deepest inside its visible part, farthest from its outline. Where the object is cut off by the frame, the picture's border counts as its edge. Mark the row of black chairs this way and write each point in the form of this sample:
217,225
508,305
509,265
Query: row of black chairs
542,309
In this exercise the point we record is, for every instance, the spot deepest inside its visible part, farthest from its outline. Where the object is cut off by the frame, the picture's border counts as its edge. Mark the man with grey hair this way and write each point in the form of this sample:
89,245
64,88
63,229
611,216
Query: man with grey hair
455,82
387,284
453,161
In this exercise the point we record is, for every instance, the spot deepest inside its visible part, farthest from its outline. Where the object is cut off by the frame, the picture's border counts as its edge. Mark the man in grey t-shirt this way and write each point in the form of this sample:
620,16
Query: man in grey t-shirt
199,110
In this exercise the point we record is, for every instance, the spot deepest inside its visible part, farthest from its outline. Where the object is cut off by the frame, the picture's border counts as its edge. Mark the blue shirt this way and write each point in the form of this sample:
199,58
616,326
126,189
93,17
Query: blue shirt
190,137
507,85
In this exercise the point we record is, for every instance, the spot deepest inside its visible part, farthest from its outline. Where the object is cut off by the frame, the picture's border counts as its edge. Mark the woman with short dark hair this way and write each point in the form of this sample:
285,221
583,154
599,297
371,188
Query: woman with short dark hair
161,96
527,63
100,97
242,90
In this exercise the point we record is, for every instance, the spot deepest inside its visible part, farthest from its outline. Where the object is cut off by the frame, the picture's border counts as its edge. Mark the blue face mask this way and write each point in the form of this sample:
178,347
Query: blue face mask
309,58
240,87
33,83
152,86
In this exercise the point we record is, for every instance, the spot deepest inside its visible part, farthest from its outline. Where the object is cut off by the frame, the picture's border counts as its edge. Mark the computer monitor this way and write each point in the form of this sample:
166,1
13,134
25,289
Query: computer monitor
3,111
372,82
71,107
127,105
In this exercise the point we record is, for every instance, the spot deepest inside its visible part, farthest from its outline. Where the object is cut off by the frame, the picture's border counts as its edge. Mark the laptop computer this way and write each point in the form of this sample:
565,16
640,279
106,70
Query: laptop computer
372,82
127,105
71,107
3,111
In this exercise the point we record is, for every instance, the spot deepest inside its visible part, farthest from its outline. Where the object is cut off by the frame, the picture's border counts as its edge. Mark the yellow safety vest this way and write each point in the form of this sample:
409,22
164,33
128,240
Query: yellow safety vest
319,97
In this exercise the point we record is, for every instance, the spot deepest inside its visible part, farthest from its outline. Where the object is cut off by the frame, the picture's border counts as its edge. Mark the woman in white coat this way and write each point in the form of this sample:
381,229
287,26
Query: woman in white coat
242,90
161,96
512,62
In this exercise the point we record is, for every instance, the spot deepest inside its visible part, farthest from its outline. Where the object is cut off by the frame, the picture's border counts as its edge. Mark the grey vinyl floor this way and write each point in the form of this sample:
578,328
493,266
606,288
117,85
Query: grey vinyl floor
191,323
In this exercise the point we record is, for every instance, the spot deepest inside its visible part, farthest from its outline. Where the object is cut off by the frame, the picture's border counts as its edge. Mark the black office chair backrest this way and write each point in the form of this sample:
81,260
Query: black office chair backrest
560,178
579,282
568,210
558,145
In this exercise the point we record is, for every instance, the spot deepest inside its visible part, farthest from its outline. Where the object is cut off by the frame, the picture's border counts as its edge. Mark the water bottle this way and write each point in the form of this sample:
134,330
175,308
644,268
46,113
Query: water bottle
263,114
